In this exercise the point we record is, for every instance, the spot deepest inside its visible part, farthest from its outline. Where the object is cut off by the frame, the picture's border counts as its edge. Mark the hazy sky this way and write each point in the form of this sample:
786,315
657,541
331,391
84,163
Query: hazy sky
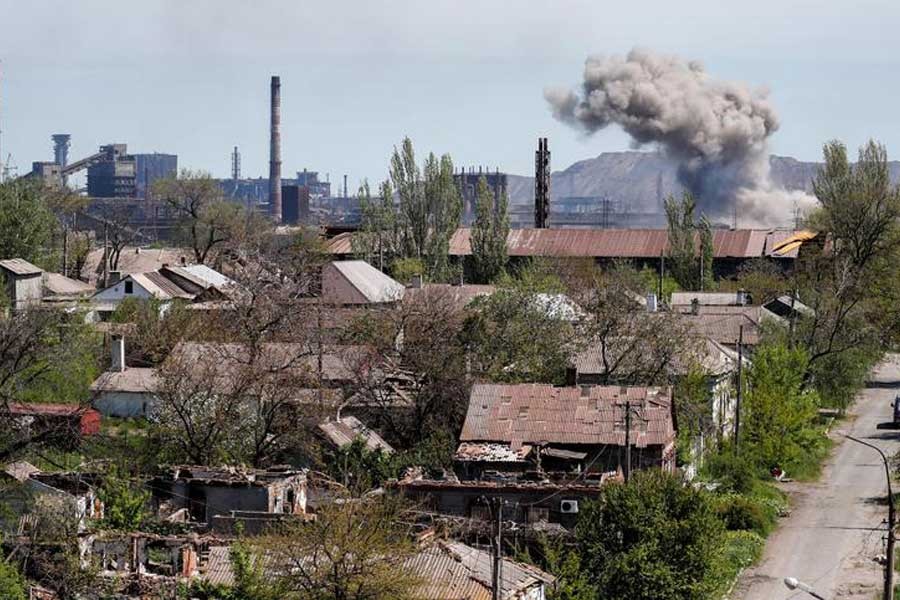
192,77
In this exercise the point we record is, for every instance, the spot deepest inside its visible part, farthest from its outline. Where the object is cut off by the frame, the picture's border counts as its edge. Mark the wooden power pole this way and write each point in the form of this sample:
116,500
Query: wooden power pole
740,390
627,470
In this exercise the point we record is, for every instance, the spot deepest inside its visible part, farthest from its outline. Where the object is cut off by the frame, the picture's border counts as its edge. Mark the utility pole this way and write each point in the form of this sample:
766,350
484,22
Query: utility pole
892,518
701,268
740,390
65,256
627,470
662,274
497,549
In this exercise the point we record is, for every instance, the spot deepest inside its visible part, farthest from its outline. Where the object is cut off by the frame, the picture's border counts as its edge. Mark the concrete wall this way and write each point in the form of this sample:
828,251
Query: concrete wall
125,404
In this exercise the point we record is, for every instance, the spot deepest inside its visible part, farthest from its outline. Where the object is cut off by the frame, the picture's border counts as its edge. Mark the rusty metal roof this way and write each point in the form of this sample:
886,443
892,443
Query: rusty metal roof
608,243
543,414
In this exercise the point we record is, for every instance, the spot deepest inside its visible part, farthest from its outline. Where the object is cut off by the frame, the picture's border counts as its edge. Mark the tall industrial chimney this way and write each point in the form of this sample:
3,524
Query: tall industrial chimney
236,164
275,152
541,184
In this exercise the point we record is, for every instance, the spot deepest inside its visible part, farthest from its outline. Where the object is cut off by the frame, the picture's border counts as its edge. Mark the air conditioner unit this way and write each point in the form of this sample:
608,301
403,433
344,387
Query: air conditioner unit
568,506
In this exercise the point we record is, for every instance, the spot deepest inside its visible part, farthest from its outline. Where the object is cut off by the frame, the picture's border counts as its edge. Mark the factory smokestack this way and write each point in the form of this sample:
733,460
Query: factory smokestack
275,152
716,131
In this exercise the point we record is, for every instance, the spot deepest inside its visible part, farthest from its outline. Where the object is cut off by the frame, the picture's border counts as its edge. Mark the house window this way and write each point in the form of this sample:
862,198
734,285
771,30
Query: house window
129,287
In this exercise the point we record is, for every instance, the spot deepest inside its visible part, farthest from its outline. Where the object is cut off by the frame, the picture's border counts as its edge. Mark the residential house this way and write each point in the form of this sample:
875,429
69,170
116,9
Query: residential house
546,448
186,283
229,493
357,283
124,391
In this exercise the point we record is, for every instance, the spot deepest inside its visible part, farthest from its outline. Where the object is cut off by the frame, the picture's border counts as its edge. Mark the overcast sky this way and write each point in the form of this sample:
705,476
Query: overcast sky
192,77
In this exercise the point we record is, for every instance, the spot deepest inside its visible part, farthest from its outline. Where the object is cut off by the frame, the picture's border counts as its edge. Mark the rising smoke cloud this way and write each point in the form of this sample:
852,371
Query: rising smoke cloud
717,131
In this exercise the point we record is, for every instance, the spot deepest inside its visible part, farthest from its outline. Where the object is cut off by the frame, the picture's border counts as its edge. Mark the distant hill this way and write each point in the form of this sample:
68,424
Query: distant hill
638,180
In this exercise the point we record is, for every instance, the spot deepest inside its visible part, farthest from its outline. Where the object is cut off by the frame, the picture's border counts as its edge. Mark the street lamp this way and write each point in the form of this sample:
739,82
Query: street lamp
889,563
793,583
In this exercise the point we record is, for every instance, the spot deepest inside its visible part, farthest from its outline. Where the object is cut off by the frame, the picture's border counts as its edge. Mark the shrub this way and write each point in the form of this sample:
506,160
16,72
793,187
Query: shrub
742,514
733,472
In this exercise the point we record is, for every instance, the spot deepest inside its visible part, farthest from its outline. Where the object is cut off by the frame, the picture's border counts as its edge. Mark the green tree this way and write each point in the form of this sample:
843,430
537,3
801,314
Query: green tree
489,232
28,227
683,230
377,240
849,282
778,412
429,207
521,333
352,550
209,224
651,539
124,502
12,584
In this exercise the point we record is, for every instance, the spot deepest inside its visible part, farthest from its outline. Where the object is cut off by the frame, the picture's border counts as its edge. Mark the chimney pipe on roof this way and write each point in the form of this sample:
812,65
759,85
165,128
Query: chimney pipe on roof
652,304
117,346
415,282
275,151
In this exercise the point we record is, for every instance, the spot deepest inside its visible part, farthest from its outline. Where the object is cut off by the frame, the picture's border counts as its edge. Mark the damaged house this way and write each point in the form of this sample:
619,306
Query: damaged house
219,497
543,449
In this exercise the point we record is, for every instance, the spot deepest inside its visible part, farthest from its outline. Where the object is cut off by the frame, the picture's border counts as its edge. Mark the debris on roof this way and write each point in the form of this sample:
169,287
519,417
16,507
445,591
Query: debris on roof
343,432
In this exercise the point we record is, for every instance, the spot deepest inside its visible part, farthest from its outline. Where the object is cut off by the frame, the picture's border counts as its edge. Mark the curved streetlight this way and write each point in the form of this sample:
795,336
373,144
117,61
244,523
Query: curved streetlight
889,563
793,583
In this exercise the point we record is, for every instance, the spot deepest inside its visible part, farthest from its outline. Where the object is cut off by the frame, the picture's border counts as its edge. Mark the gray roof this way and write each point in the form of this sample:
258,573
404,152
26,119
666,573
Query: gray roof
454,570
374,285
133,380
343,432
57,284
20,266
705,298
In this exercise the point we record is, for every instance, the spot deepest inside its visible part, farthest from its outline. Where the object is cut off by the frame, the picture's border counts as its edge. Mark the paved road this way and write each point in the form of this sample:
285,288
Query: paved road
835,528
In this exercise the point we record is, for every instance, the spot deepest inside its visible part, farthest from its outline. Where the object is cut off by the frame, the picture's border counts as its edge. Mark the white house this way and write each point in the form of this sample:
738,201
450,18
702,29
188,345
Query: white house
167,284
124,391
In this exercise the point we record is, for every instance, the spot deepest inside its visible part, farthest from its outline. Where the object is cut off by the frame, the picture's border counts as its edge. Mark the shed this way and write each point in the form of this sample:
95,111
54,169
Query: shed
23,282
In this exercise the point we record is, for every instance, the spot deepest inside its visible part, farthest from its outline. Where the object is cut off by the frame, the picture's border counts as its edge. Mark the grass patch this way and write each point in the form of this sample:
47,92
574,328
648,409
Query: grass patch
739,550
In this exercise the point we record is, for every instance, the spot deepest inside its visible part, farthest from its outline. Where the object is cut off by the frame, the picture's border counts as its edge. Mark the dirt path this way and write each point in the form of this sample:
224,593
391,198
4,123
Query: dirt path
836,527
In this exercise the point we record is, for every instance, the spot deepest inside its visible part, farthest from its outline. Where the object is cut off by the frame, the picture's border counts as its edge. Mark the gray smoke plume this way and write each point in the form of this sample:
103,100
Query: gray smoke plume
717,131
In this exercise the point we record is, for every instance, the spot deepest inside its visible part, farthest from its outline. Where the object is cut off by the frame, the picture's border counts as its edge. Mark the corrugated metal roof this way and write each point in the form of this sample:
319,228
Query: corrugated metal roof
159,286
20,266
607,243
454,571
540,413
374,285
205,275
344,432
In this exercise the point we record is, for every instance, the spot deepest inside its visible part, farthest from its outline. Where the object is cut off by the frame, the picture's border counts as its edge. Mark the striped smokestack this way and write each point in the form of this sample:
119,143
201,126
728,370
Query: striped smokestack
275,152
